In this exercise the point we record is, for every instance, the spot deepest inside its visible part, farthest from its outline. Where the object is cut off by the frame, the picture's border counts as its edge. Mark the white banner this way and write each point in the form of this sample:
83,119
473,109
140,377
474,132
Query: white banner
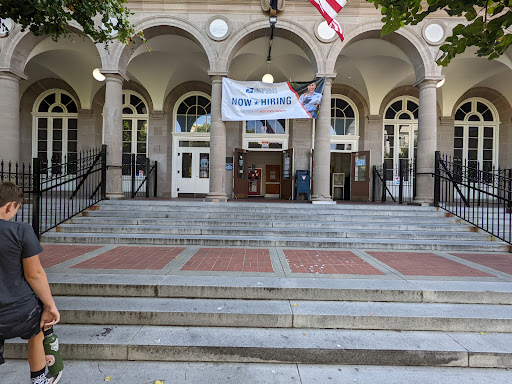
255,100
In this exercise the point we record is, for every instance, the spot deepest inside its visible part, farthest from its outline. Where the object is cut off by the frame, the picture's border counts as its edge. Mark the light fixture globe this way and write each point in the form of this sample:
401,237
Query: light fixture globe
440,83
267,78
98,75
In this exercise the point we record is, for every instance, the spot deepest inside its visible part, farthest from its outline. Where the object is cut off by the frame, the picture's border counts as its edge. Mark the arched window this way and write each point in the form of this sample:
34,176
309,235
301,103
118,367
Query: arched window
476,134
194,114
135,129
343,117
400,131
55,138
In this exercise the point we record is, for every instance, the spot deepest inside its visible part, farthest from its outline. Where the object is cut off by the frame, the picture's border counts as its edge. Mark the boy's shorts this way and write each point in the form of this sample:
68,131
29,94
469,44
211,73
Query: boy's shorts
26,324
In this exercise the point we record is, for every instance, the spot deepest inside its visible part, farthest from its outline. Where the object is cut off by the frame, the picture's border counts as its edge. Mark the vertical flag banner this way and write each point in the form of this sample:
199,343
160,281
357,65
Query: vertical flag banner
255,100
329,10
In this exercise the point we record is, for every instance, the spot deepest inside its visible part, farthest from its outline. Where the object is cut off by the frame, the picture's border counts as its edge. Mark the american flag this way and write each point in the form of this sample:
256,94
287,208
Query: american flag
329,10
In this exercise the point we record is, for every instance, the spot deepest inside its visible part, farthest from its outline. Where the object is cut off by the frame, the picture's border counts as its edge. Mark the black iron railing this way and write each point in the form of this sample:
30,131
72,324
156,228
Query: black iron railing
59,189
397,184
139,176
482,198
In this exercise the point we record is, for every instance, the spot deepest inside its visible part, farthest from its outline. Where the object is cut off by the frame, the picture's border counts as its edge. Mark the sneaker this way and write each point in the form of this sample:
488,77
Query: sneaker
55,378
42,379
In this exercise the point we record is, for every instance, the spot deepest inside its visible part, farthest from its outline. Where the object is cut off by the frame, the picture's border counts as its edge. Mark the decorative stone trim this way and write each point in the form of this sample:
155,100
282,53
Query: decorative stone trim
218,28
157,115
265,5
324,33
6,26
434,32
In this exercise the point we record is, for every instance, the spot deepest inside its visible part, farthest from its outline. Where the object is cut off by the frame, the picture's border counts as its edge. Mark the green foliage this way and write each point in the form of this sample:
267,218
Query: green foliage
52,17
487,27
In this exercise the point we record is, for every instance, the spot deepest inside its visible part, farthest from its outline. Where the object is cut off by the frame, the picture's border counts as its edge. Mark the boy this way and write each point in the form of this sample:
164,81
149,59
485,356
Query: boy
26,303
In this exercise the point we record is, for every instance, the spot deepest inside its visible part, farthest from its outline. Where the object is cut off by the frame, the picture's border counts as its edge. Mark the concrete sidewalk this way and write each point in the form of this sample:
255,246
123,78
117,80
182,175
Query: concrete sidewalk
115,372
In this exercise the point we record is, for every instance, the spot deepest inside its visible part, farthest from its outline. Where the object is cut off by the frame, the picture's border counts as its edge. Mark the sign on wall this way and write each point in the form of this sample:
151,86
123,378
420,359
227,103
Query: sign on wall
255,100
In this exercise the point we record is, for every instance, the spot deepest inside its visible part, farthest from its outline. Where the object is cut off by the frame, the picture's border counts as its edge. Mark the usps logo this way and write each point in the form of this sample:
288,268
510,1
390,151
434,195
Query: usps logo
249,90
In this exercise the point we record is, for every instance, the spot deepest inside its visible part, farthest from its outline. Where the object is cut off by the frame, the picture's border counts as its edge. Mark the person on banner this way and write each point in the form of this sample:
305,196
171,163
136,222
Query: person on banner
311,100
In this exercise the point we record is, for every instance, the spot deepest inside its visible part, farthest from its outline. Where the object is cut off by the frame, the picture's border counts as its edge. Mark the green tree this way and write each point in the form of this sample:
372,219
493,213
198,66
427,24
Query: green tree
486,28
52,17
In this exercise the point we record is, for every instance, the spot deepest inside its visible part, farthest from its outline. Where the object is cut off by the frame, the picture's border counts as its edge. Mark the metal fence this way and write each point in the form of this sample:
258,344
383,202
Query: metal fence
139,176
57,190
397,184
482,198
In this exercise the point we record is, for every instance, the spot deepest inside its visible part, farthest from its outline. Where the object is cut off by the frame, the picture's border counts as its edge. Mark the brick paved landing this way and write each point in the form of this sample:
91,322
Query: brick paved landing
230,260
328,262
500,262
153,258
55,254
425,264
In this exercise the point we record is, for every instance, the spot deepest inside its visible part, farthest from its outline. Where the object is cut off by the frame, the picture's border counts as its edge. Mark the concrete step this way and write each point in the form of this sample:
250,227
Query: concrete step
272,209
273,241
247,204
286,314
298,215
291,232
265,220
138,372
276,345
435,225
282,288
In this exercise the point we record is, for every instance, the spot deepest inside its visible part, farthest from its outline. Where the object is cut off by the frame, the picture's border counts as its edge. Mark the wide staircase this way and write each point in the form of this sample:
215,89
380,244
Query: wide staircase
368,226
262,319
282,320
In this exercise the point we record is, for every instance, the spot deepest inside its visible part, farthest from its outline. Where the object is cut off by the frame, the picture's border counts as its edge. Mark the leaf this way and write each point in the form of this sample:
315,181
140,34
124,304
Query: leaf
108,378
483,333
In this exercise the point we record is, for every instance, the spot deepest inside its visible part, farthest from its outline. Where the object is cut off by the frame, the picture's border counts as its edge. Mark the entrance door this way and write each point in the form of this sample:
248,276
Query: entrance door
287,180
272,181
240,182
193,170
255,182
360,176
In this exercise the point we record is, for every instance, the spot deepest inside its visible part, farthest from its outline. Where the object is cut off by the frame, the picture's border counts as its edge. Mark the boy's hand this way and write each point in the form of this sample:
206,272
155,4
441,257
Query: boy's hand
49,317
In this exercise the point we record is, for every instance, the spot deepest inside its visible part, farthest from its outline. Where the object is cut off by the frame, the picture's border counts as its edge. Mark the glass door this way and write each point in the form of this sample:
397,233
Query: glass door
193,171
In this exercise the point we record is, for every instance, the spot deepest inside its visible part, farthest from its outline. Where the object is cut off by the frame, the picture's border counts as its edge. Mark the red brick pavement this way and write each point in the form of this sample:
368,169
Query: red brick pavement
153,258
230,260
54,254
425,264
500,262
328,262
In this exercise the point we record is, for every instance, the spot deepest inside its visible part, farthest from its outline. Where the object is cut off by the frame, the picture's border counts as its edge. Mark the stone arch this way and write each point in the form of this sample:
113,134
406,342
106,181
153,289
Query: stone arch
405,38
504,109
358,99
406,90
286,29
155,26
498,100
173,97
19,45
27,101
136,87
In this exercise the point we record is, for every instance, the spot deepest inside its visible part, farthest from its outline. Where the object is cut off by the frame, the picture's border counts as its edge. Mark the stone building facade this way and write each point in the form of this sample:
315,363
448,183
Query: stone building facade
162,99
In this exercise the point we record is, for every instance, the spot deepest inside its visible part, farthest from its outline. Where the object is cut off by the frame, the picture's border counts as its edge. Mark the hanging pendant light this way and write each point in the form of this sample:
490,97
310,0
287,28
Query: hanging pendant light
267,77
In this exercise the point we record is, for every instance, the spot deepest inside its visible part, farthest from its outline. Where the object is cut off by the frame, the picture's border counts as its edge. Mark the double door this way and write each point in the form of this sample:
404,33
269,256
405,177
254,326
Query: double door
193,171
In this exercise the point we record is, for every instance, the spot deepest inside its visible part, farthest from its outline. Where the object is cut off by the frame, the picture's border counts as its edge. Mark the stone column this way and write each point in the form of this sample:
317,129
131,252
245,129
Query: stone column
10,115
427,142
217,143
322,154
113,133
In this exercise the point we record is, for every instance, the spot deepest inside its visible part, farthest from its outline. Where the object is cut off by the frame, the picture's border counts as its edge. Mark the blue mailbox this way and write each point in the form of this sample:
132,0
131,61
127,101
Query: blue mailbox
303,184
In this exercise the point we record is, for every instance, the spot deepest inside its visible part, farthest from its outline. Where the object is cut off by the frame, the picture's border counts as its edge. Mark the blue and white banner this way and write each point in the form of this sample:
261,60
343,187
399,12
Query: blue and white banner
255,100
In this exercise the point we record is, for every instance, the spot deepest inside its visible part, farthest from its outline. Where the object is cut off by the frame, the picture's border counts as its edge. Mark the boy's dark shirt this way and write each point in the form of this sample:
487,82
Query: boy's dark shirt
17,241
